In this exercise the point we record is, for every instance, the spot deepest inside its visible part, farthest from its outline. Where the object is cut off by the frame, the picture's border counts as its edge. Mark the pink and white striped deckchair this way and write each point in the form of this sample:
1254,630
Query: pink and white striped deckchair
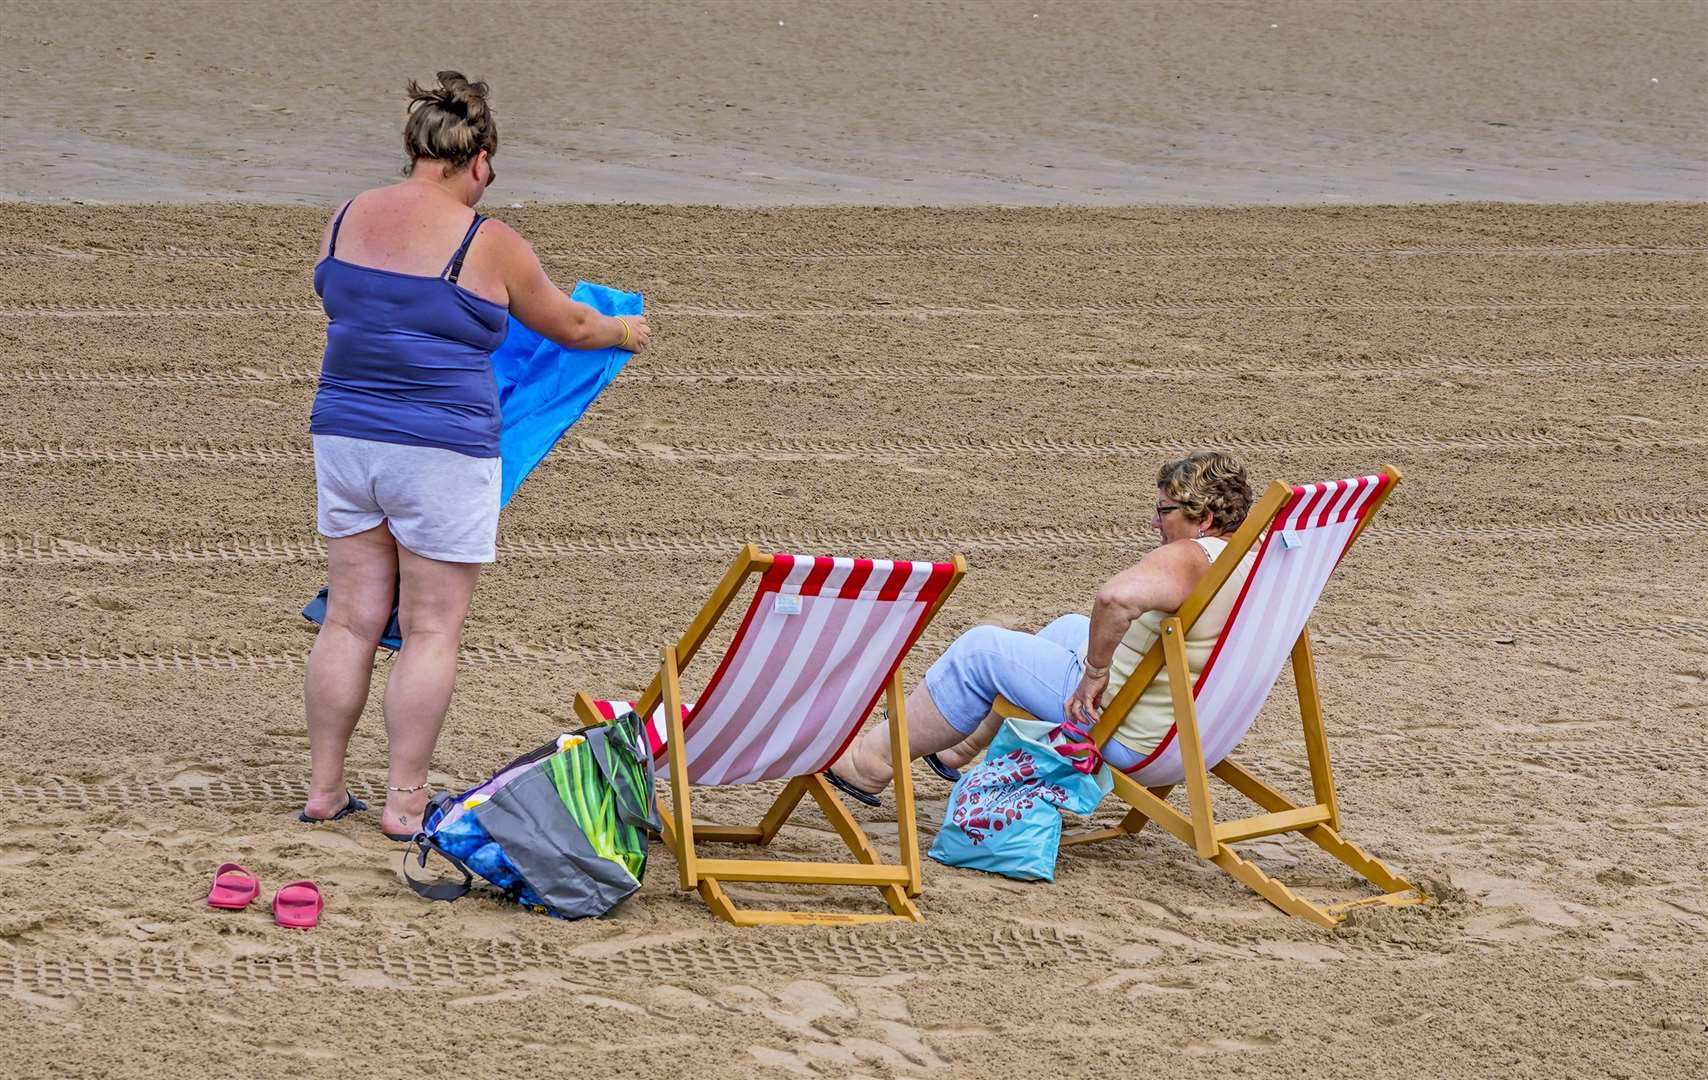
823,638
1301,534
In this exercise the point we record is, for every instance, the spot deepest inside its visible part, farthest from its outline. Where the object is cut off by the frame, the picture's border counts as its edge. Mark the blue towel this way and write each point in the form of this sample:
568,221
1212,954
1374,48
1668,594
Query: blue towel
543,388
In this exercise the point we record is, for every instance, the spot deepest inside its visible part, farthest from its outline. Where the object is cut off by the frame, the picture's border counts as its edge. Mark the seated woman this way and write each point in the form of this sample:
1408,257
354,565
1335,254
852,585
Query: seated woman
1076,665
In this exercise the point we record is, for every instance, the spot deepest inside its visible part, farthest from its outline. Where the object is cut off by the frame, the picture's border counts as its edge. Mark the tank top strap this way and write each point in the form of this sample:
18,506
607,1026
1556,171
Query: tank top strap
1212,545
337,223
455,266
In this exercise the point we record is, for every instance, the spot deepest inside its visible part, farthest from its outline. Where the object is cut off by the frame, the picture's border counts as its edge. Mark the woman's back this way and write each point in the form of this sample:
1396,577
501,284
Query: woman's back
412,229
416,312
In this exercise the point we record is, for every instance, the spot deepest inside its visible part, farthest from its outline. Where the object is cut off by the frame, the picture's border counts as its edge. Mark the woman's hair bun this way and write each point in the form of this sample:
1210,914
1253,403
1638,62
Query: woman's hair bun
454,94
451,121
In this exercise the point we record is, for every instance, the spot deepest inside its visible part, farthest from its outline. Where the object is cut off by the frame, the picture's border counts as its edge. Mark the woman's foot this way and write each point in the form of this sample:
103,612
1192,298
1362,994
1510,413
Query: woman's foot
865,768
404,811
859,795
330,807
966,751
942,768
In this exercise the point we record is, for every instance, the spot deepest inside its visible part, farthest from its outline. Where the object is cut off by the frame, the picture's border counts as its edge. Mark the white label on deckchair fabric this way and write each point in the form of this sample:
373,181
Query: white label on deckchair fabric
787,604
1291,538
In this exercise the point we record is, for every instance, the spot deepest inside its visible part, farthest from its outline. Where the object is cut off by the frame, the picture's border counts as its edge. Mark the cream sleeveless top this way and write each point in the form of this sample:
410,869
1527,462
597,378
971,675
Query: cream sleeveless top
1153,714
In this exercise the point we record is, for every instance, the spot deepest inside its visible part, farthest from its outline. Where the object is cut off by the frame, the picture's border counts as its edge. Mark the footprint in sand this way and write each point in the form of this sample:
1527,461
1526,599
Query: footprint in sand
823,1029
1261,1041
17,856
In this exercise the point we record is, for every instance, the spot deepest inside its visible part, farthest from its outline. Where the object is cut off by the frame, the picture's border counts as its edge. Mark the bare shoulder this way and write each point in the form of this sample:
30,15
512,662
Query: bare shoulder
507,246
1179,553
503,236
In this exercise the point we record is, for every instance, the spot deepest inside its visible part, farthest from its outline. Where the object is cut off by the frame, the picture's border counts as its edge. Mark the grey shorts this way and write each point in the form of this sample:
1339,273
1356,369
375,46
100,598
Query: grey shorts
438,503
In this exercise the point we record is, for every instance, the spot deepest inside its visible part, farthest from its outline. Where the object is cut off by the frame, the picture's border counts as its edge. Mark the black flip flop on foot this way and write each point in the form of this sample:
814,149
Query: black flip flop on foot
850,790
941,769
352,805
401,837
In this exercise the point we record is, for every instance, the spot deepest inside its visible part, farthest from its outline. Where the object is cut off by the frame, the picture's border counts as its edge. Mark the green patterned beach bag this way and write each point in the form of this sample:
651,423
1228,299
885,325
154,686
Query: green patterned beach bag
562,830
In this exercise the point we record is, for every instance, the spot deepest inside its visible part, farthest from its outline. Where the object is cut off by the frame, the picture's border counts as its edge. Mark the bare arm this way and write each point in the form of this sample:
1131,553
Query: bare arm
543,308
1161,581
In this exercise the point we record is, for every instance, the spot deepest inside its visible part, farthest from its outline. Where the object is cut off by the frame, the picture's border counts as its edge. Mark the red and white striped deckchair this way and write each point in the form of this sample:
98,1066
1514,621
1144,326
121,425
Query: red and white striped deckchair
822,639
1301,534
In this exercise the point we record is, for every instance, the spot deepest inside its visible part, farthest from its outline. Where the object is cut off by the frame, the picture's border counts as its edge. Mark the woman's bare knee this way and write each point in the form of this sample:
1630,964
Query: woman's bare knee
363,625
435,595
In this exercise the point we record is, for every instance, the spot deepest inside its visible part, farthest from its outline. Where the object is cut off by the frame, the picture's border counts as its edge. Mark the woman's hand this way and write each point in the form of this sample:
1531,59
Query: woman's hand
638,334
1086,703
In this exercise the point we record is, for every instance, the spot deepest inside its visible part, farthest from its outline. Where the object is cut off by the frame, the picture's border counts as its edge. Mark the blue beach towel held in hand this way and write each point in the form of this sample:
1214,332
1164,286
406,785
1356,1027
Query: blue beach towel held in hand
543,388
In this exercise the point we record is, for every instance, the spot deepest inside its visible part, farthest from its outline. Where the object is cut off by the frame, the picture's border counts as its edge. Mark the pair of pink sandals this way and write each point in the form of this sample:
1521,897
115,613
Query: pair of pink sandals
297,905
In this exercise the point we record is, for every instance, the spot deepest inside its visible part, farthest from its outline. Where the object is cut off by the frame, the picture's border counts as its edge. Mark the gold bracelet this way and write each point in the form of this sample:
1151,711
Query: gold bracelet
623,343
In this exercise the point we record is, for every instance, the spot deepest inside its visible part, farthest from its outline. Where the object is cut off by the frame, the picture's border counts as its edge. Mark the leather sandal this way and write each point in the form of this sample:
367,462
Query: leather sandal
941,769
859,796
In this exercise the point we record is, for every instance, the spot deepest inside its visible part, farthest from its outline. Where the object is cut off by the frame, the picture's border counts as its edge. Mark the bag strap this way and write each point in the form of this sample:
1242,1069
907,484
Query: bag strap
437,890
638,810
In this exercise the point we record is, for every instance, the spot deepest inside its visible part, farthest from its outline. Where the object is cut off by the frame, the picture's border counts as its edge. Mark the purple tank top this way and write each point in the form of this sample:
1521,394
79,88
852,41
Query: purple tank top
408,357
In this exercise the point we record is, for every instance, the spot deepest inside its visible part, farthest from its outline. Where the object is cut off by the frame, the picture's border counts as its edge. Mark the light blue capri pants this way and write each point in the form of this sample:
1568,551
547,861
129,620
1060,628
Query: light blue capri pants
1037,672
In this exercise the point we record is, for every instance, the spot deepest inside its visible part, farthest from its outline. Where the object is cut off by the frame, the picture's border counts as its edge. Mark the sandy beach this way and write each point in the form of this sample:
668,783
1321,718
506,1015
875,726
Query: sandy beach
1514,662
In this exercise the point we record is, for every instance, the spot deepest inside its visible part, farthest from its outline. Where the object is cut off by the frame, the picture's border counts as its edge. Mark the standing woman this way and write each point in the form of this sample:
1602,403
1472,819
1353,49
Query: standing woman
418,288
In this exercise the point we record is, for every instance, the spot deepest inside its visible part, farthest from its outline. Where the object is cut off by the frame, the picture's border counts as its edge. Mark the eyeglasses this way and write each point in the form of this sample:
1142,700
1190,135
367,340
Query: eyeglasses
1161,510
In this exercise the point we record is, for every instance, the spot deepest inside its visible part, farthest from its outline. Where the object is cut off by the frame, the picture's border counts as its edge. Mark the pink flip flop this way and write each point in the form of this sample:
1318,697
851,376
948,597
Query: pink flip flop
298,905
233,888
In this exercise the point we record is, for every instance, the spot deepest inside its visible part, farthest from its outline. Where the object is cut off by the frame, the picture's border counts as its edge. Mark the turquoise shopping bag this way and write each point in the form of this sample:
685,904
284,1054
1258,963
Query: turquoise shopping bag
1005,813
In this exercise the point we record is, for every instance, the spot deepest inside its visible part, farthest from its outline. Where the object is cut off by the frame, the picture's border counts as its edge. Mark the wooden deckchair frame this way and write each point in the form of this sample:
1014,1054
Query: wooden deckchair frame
1318,822
897,882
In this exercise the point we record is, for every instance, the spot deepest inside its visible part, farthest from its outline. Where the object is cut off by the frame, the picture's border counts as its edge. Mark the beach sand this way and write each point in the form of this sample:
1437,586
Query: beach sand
1514,662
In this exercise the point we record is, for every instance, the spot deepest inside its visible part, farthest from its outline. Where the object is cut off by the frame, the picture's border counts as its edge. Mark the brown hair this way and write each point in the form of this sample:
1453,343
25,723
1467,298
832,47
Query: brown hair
450,122
1208,482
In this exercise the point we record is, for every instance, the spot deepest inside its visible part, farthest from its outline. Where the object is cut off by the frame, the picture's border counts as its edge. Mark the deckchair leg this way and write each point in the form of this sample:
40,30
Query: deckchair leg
1316,737
842,821
1130,825
861,846
707,871
681,838
725,908
907,828
1247,874
1191,748
1329,839
768,827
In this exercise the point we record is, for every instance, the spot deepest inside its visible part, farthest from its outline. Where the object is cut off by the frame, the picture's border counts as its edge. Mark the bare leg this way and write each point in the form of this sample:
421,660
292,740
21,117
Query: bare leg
962,753
434,601
867,763
362,575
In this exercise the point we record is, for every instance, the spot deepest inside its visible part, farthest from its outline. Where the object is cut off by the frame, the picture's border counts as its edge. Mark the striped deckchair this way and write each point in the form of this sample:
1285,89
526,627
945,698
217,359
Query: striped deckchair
822,639
1301,534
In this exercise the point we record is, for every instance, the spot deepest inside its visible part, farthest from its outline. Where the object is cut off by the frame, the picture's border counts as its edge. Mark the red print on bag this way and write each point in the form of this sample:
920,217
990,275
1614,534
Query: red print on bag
1000,795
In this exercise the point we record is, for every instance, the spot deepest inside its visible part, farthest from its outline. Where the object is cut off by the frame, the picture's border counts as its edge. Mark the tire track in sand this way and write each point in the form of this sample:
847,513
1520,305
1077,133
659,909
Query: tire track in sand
585,448
177,661
1646,301
1018,370
261,789
648,965
899,252
38,549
